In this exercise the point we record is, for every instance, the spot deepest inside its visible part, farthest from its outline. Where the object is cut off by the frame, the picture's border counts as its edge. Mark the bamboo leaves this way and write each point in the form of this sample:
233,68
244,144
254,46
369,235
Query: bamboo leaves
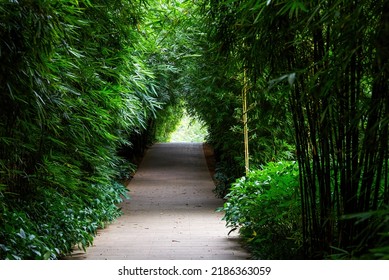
72,90
332,56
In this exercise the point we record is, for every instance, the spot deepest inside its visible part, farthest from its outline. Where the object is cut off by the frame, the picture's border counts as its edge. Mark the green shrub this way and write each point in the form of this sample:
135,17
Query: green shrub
265,206
72,89
50,227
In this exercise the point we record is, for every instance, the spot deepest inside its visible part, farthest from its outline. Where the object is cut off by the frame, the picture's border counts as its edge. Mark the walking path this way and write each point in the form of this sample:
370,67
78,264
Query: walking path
171,213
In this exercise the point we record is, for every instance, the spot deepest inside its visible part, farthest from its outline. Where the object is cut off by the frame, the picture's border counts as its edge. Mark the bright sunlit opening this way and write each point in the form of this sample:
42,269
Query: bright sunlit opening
189,130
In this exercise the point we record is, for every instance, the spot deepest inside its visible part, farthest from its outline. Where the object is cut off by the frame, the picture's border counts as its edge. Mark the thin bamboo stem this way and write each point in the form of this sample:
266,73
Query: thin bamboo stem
245,125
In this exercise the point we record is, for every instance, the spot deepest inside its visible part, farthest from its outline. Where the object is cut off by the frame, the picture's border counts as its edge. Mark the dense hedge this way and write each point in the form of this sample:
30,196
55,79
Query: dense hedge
72,91
265,207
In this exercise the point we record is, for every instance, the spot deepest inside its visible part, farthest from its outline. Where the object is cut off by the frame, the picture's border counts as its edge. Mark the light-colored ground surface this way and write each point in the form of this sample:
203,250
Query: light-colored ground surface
171,213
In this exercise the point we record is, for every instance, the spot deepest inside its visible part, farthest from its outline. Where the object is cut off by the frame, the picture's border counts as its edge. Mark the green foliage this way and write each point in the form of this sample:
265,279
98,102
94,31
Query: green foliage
321,69
188,130
52,223
167,122
166,46
81,80
374,242
265,206
215,82
72,90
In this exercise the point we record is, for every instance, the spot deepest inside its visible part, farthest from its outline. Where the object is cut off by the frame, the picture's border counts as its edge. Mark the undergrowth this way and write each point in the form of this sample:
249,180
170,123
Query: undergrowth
265,207
50,227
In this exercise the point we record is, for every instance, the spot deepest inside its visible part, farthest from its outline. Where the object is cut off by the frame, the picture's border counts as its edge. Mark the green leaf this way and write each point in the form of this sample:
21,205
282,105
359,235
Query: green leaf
21,234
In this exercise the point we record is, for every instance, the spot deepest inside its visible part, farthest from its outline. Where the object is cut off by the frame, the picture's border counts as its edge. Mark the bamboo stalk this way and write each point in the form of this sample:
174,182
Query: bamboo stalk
245,125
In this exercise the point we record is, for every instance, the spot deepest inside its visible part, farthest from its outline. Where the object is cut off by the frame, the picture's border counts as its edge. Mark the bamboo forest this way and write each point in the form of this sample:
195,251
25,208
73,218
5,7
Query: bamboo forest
294,96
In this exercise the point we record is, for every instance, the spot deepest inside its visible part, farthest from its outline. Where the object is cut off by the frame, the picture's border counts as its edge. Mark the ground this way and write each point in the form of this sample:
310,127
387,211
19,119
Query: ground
171,211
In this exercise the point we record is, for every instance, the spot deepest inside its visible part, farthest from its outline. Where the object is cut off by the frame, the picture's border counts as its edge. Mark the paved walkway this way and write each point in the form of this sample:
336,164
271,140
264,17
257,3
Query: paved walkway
171,212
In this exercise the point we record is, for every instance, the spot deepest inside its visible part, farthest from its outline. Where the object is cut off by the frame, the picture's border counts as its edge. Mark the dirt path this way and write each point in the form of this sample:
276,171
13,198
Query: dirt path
171,213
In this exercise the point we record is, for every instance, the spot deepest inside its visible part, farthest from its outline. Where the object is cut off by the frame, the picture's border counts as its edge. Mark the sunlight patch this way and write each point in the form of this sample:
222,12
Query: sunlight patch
189,130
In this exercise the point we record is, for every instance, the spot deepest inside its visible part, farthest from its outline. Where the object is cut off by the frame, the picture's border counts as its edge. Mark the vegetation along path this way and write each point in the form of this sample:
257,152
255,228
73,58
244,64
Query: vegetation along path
171,213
